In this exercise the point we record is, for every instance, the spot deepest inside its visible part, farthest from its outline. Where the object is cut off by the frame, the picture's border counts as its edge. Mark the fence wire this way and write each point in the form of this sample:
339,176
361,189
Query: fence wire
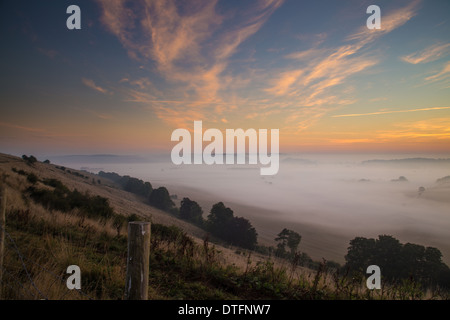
18,286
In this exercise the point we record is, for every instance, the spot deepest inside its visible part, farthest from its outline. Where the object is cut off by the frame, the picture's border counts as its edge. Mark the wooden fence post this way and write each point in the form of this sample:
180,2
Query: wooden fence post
2,233
136,286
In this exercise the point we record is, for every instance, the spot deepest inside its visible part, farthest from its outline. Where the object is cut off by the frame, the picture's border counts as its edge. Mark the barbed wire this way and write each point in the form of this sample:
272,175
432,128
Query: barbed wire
23,264
16,279
22,258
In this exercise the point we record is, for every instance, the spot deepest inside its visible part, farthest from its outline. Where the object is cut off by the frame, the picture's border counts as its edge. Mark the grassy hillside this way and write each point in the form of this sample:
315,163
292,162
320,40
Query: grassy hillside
56,217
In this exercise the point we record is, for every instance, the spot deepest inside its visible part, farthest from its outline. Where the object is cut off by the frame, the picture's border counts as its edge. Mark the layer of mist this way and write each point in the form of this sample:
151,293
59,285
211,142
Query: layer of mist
321,196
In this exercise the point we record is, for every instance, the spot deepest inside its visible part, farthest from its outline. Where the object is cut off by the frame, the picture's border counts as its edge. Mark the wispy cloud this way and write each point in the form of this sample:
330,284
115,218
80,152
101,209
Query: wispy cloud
442,75
390,22
388,112
24,128
192,52
91,84
429,54
323,69
187,47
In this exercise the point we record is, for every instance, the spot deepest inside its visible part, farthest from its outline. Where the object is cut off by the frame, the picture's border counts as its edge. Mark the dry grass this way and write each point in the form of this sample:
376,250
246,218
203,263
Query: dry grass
69,238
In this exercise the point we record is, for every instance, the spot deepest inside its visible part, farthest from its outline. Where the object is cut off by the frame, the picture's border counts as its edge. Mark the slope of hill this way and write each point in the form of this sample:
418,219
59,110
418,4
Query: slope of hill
57,217
53,239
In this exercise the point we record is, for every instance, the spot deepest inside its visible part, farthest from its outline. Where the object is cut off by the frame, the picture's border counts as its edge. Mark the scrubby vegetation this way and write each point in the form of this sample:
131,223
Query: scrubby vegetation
63,226
62,199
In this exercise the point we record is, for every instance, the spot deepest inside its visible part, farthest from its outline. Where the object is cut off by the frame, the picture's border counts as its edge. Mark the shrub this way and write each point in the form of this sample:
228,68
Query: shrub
32,178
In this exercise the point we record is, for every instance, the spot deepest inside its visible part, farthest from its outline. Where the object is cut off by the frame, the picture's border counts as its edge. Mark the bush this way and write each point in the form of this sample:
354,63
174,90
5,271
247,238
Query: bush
29,160
62,199
32,178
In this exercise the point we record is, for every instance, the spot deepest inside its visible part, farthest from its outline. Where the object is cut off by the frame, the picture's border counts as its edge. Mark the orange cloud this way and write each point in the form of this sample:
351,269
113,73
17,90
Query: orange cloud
429,54
390,22
175,42
388,112
442,75
324,69
91,84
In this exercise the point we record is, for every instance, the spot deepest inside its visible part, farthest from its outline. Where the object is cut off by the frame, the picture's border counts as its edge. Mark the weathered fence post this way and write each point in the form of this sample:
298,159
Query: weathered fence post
136,286
2,232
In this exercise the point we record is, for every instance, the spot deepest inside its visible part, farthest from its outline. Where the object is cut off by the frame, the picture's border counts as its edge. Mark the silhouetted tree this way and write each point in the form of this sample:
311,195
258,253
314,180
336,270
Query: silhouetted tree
218,219
360,254
235,230
160,199
398,261
191,211
288,238
241,233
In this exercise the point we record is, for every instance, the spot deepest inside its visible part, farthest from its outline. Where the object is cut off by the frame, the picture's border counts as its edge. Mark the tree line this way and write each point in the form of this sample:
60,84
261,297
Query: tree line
221,222
398,261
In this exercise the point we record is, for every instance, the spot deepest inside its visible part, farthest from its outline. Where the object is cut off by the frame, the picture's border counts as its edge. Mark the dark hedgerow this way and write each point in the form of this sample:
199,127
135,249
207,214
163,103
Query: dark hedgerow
62,199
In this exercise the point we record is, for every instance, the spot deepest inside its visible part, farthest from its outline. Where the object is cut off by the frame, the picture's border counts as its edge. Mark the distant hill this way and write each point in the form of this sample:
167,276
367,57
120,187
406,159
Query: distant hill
408,161
105,158
444,180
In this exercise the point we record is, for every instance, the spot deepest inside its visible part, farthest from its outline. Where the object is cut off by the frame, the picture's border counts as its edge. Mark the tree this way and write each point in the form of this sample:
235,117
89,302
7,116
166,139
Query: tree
388,252
398,261
235,230
160,199
288,238
191,211
218,219
360,254
421,190
242,233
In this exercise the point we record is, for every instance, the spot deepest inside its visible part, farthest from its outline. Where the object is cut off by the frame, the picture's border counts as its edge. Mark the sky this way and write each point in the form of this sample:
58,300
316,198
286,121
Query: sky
137,70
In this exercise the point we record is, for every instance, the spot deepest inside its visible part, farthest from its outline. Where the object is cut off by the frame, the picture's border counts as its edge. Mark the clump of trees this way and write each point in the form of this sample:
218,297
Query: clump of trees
160,198
220,222
30,160
237,231
398,261
191,211
129,184
400,179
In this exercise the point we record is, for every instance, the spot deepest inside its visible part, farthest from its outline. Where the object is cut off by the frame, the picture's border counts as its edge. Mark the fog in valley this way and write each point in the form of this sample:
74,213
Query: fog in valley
328,199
